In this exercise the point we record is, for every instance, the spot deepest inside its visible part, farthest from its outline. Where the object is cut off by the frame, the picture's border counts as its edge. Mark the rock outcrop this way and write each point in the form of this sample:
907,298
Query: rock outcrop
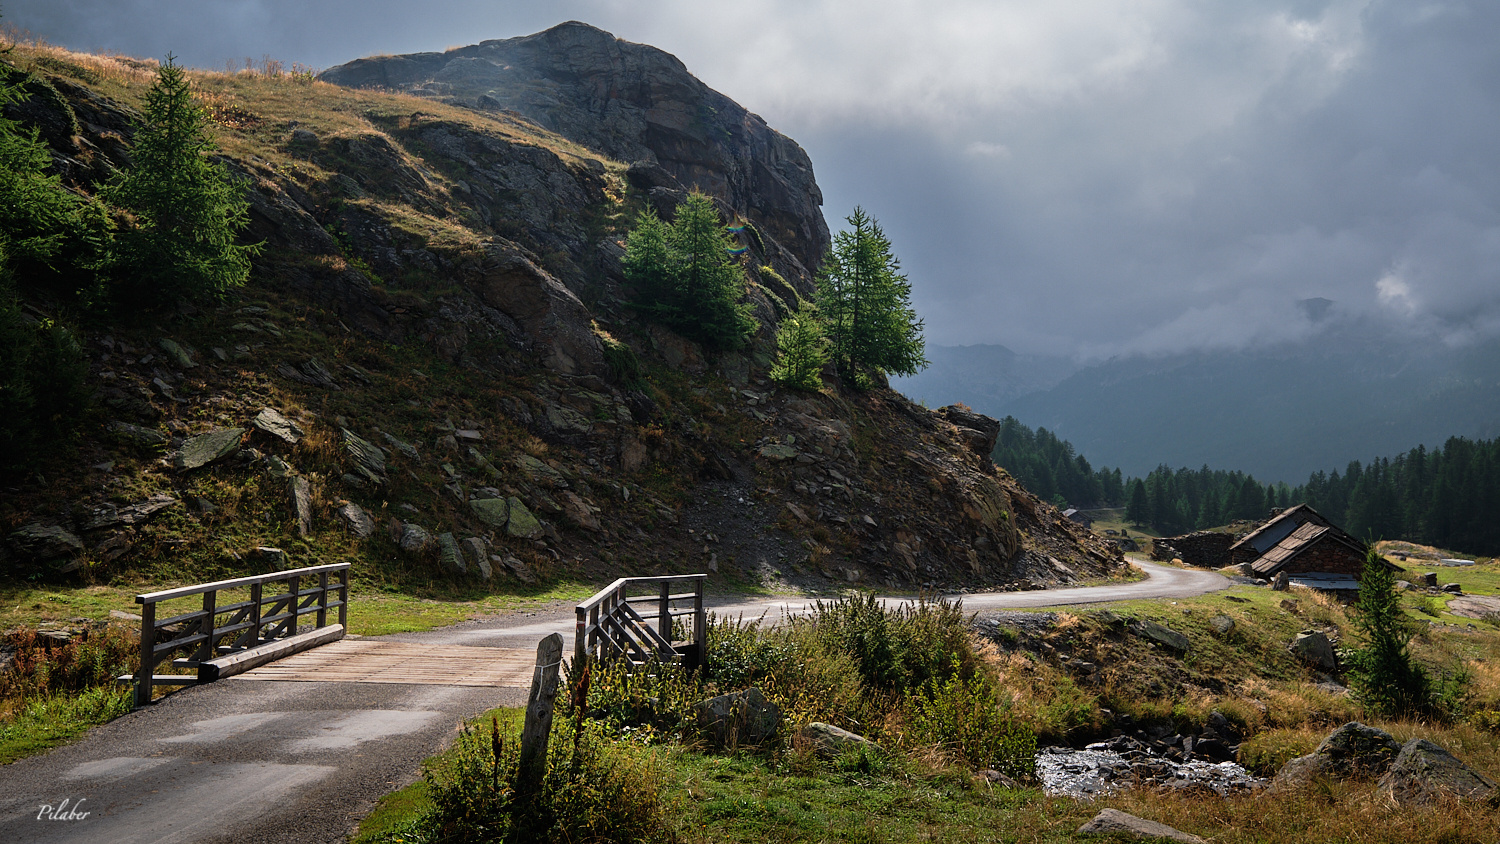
631,102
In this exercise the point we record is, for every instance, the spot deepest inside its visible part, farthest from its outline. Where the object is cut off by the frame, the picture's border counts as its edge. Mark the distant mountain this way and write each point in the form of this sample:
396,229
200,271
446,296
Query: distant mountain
1350,393
985,377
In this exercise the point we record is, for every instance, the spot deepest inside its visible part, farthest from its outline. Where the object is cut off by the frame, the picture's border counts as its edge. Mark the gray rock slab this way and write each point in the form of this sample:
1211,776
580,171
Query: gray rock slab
356,520
450,555
1116,822
177,353
369,460
1425,773
301,494
270,421
521,524
491,511
1314,649
45,542
207,449
1160,634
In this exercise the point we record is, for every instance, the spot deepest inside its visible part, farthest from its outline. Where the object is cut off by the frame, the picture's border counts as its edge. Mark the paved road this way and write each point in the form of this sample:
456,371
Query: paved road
282,762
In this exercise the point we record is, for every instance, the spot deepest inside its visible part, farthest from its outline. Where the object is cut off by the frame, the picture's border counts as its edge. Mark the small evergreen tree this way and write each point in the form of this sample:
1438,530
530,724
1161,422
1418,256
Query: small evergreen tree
1383,674
684,277
866,303
53,238
188,210
1138,511
802,350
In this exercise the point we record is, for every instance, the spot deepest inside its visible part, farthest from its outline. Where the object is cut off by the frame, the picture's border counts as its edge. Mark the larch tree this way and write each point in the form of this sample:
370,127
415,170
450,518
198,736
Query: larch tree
866,305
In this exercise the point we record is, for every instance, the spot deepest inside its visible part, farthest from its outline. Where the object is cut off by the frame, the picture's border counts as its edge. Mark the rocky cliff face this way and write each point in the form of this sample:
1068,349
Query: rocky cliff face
633,103
439,323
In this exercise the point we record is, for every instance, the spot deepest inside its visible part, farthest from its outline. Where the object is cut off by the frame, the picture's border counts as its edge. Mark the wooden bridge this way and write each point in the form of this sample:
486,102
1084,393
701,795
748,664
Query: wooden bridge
290,626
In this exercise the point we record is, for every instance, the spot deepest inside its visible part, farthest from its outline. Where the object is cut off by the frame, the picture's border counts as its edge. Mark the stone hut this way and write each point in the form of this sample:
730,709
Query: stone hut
1207,549
1307,547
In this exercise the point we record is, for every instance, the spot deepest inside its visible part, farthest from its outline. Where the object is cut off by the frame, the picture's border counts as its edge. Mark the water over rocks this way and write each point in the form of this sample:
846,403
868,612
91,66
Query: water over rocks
1096,772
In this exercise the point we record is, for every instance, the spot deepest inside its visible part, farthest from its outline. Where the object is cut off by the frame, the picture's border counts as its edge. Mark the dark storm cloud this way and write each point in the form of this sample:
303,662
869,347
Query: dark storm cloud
1077,177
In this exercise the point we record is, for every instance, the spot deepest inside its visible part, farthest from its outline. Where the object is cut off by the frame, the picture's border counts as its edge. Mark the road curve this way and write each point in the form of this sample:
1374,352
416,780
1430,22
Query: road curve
524,631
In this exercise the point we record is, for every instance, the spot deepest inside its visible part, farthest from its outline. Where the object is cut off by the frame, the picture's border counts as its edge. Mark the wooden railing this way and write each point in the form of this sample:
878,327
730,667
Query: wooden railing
267,625
610,626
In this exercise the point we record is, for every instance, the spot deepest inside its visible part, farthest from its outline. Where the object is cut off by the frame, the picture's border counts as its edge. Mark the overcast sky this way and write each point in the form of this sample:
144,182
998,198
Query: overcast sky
1084,177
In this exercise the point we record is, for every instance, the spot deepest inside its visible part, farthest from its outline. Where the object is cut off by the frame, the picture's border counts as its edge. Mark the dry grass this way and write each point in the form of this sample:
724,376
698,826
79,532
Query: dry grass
32,53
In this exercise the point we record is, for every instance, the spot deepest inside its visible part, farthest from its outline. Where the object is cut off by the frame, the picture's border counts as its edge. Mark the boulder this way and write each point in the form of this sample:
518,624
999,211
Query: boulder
1281,583
1314,649
1424,773
1352,751
207,449
475,549
778,452
491,511
369,460
521,523
356,520
553,320
738,719
145,437
301,495
414,539
270,422
450,555
108,515
830,741
45,542
978,431
1160,634
1116,822
578,511
517,568
177,353
1222,624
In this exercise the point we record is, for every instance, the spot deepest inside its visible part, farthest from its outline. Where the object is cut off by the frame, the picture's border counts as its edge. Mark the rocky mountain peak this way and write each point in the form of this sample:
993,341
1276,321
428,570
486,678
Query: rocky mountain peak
631,102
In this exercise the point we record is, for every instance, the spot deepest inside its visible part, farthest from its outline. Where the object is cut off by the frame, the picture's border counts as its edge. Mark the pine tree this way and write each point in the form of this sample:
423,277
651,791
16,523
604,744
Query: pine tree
1138,511
866,303
188,210
802,350
1383,674
684,277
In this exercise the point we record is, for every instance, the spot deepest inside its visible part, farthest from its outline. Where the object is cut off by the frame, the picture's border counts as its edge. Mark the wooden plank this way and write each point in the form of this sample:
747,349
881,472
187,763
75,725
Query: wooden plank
242,661
382,661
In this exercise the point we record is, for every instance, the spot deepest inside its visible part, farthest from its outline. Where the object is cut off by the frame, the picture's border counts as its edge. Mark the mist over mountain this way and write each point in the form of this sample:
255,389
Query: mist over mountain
1350,392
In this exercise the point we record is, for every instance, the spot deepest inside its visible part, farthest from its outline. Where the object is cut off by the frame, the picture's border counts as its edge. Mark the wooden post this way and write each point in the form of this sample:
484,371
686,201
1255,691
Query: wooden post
664,611
210,604
148,648
255,596
700,624
322,599
533,762
344,597
580,637
293,583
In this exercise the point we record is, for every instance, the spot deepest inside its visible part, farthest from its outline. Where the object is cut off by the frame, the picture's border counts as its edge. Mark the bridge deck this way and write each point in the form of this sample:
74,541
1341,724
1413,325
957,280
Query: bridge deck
376,661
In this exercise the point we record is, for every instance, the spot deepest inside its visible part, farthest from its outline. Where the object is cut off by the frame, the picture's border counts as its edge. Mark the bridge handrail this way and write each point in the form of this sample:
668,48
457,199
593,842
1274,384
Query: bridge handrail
610,608
264,621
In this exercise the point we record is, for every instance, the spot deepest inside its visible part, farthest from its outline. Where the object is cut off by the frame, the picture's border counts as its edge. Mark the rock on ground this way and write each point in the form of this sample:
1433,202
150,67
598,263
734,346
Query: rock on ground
739,719
1353,750
1116,822
1424,773
830,741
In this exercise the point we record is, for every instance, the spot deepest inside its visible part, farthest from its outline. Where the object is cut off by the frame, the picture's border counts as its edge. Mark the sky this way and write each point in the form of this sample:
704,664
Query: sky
1086,178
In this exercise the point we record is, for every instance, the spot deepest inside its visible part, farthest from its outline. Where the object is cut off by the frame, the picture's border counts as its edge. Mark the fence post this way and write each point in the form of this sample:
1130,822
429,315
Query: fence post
322,599
255,596
210,604
700,623
291,629
533,762
344,597
664,611
148,648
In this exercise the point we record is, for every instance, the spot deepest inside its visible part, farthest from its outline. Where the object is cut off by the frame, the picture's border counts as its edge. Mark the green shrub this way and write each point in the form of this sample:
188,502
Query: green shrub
41,668
594,790
801,352
965,718
1382,672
